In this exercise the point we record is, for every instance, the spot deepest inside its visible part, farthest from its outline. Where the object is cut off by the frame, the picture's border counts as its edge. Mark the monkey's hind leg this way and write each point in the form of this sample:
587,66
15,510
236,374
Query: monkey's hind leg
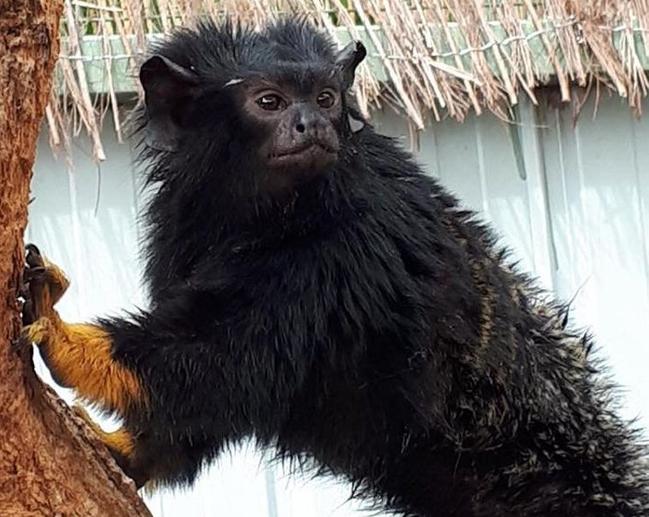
121,444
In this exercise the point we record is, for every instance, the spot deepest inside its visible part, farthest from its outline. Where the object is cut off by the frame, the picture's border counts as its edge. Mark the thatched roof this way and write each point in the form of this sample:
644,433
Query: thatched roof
428,58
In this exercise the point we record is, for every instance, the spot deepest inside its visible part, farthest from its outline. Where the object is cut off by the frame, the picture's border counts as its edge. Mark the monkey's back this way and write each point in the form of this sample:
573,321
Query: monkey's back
466,373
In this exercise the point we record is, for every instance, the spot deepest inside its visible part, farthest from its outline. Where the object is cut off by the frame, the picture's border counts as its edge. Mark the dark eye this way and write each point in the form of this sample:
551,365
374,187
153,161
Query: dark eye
326,99
271,102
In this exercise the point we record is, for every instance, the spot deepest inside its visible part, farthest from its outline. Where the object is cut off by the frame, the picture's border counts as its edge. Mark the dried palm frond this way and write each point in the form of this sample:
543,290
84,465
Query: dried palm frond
427,57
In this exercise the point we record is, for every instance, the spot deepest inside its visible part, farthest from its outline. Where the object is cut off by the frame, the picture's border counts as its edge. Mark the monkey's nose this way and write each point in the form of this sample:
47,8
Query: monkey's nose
305,121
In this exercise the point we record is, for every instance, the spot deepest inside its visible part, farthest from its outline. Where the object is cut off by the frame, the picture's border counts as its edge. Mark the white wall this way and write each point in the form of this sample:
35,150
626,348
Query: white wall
571,202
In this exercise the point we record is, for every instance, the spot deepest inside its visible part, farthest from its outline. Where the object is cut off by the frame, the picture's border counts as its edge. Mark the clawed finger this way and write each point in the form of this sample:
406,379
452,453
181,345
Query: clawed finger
28,314
34,257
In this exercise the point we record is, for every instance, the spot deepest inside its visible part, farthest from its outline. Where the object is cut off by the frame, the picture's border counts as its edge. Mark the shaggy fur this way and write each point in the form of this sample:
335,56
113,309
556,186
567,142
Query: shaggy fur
364,323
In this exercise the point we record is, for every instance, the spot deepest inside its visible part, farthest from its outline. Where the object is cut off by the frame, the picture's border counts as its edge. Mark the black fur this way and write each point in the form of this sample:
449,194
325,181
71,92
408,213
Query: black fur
365,324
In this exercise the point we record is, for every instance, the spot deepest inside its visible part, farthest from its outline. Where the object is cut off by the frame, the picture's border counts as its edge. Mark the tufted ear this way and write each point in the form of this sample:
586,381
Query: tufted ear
168,88
348,59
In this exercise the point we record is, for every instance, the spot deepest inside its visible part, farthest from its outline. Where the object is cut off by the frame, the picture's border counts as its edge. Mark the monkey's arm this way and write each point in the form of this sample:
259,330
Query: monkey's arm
140,368
79,356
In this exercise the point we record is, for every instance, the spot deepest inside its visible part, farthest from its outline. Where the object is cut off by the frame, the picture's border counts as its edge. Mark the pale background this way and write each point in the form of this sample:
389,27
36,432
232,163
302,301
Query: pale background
571,200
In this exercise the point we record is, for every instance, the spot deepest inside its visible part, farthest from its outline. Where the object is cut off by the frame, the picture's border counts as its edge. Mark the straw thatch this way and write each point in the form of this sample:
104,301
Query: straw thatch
430,58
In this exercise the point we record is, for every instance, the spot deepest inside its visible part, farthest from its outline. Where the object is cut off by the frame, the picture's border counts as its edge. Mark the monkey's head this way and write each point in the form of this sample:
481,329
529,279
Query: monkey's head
261,112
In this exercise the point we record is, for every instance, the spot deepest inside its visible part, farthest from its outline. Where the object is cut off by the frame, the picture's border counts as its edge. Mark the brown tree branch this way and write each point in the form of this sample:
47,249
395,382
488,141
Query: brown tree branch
51,463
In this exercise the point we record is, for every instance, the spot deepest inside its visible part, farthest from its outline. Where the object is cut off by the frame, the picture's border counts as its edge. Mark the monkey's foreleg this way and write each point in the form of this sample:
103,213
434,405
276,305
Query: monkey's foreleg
44,283
79,356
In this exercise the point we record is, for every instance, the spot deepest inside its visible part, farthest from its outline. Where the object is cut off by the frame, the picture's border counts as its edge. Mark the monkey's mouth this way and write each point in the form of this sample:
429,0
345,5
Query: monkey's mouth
309,154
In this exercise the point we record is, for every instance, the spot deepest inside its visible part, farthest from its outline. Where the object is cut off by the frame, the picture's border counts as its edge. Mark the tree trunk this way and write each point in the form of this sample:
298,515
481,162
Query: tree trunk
51,464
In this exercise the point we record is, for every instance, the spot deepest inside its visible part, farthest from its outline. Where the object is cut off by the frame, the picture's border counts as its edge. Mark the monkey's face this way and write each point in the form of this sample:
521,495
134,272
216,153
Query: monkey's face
273,119
297,128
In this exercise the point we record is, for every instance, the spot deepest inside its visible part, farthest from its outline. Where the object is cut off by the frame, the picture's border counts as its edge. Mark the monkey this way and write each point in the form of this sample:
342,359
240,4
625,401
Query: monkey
313,289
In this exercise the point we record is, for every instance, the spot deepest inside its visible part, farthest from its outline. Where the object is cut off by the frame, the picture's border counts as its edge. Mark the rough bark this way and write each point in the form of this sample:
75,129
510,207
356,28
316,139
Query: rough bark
50,462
